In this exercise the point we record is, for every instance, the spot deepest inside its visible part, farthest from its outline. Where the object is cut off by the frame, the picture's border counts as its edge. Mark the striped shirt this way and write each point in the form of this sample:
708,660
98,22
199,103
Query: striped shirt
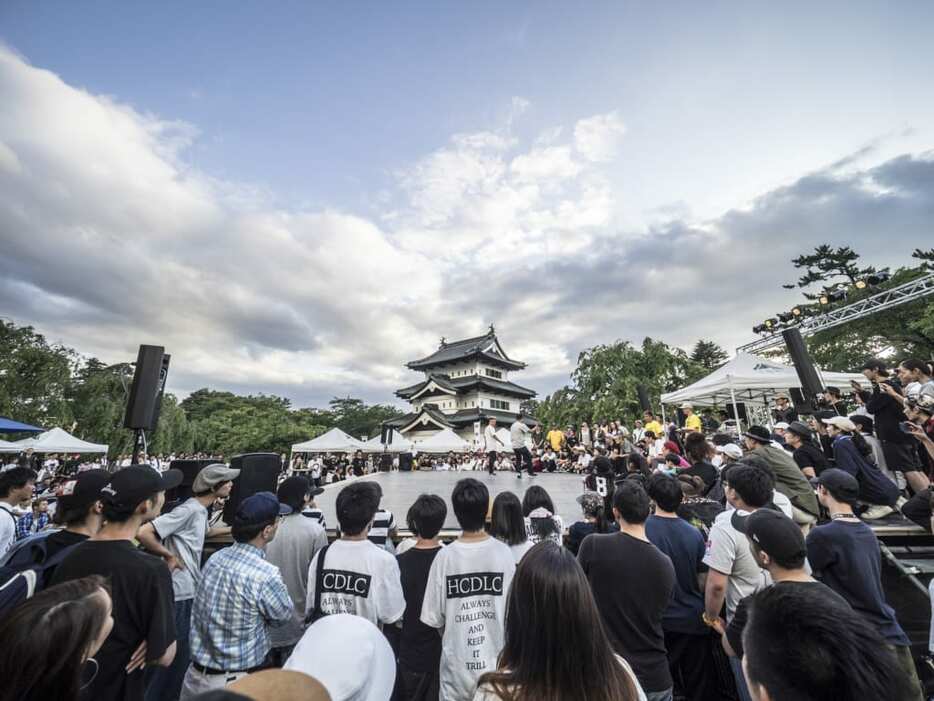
317,515
239,595
383,522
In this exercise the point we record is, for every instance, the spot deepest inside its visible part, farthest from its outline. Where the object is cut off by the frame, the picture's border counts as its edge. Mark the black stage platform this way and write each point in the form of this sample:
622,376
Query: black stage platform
400,489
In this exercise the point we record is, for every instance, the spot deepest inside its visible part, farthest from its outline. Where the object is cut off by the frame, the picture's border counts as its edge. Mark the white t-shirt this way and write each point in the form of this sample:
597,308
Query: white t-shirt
728,552
783,503
543,513
491,440
521,549
359,578
7,528
182,531
466,595
518,435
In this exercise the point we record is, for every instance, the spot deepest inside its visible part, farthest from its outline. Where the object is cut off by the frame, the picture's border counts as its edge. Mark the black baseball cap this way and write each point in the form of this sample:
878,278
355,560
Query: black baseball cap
83,490
129,486
261,507
841,485
772,532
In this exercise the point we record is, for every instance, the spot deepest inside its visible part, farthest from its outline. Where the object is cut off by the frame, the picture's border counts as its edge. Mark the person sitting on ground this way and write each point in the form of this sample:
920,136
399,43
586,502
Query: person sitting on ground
141,584
698,450
695,508
687,639
803,645
852,455
50,640
541,521
632,600
845,556
419,644
594,511
789,480
297,541
471,574
356,576
804,451
675,463
239,597
563,655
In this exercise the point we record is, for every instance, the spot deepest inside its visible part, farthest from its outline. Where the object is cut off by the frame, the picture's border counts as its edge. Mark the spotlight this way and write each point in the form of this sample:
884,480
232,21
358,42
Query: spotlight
878,278
831,296
761,328
770,323
785,317
861,284
797,311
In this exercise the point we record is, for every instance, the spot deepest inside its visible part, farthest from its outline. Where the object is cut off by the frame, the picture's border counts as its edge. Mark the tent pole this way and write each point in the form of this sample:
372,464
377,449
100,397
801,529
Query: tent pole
739,425
664,421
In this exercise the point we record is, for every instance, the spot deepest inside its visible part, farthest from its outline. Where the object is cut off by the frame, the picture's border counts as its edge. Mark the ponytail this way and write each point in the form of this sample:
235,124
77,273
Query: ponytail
862,446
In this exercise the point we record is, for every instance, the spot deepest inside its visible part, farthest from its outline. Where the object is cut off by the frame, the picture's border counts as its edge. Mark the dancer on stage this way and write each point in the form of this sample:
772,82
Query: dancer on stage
519,436
490,441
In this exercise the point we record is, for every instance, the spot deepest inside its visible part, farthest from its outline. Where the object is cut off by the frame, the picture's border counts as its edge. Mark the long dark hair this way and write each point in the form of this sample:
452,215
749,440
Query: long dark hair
507,523
47,639
862,445
537,498
556,646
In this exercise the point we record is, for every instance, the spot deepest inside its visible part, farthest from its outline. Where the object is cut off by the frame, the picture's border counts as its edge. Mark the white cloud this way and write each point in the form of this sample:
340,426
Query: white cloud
597,138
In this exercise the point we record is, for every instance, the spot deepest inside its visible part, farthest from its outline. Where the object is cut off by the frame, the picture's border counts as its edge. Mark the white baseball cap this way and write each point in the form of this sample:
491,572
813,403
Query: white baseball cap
731,450
841,422
783,425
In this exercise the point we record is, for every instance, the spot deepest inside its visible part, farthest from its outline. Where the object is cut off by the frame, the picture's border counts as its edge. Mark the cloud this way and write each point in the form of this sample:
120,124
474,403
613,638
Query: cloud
111,239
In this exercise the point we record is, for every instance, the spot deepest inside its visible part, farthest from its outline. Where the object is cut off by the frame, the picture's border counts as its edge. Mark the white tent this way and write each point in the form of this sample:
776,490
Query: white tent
750,379
58,440
334,441
399,444
444,441
7,447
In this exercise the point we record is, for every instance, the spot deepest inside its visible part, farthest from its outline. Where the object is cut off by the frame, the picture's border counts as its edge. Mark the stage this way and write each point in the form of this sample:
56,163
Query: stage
400,489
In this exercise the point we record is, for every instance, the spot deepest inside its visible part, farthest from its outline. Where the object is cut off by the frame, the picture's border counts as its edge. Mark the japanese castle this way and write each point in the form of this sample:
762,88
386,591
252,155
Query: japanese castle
465,384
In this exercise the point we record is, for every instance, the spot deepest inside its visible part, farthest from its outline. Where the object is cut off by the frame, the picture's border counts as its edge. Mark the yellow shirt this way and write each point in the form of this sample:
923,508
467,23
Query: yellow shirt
655,428
693,423
555,438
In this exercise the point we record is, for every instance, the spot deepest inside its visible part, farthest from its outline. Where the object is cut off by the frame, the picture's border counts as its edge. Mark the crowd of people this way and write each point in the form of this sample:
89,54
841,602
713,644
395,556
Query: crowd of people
714,565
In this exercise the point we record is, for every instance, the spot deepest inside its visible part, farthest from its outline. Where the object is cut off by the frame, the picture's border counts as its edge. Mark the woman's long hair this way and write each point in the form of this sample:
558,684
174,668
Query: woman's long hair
862,445
507,523
556,646
46,640
537,498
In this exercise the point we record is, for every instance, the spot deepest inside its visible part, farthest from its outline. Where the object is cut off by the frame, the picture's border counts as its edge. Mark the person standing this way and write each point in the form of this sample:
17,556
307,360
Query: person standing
845,556
15,487
692,421
296,543
178,538
633,600
239,597
141,584
492,445
519,437
687,640
466,595
419,644
784,411
383,528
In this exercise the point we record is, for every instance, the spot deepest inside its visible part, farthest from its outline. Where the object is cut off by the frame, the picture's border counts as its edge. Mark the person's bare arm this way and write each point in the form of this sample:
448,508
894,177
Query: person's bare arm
727,648
218,531
714,593
150,541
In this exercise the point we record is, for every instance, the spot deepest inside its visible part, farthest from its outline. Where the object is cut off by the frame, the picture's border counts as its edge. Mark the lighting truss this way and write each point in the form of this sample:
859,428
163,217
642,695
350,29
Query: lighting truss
906,292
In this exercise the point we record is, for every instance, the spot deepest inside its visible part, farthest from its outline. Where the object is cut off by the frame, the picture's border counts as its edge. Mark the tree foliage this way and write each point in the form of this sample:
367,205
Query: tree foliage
708,355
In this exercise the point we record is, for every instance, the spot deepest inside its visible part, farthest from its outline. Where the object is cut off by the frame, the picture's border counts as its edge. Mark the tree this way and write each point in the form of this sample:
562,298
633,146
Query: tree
708,355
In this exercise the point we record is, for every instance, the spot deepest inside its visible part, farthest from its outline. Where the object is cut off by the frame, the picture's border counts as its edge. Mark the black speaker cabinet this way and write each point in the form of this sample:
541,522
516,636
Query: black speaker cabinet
643,393
405,462
259,472
141,406
807,374
190,470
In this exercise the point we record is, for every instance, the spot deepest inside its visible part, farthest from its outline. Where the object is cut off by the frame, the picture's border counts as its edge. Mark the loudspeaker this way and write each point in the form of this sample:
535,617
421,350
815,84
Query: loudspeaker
811,385
163,376
146,385
740,409
802,405
190,470
259,472
405,462
643,393
385,434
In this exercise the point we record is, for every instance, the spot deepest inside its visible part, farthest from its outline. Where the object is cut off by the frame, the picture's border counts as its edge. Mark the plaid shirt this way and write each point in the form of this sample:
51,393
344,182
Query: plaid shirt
238,596
28,524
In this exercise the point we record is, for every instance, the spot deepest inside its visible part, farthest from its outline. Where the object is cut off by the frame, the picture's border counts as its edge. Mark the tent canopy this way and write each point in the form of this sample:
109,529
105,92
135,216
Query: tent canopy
11,426
7,447
753,380
334,441
444,441
399,444
58,440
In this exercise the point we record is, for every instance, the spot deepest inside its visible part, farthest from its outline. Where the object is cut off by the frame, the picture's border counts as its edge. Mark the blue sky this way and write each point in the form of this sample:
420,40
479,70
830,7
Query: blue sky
423,144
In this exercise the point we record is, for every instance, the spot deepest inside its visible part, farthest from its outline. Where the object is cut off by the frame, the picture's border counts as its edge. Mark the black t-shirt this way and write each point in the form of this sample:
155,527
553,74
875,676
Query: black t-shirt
734,631
632,583
581,529
809,455
419,645
143,609
705,471
58,541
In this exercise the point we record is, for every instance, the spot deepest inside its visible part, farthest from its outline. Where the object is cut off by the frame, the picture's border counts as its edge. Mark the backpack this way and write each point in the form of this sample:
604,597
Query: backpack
27,570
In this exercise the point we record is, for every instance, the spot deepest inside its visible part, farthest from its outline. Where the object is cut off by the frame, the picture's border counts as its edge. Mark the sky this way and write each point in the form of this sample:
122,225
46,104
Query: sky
297,198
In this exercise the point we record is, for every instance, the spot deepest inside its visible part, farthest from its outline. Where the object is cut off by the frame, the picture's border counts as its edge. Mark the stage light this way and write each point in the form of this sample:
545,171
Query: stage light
831,296
786,317
761,328
770,323
797,311
878,278
860,284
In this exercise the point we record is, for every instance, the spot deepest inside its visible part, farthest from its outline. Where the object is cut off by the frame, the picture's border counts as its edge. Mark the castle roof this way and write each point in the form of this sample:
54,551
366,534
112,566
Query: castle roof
486,348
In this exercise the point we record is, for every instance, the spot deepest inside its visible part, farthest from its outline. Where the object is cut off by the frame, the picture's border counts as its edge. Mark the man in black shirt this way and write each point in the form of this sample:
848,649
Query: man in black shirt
420,645
141,586
632,599
807,454
784,411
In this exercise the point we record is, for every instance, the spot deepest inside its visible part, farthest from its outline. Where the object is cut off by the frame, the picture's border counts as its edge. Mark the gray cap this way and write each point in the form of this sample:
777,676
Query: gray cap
590,502
213,475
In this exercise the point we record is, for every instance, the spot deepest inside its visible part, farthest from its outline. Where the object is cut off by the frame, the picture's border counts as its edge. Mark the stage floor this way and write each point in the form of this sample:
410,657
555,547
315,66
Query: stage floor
400,489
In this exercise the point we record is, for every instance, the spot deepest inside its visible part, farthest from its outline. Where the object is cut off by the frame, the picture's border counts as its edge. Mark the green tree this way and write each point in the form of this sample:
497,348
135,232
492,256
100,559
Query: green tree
708,355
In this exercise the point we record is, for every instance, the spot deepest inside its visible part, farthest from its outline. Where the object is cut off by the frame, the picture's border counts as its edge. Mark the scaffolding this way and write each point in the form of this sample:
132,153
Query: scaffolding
906,292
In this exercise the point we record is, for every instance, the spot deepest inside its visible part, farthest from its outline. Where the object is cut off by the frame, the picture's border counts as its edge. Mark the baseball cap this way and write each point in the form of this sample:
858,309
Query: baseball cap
686,405
772,532
781,395
212,475
841,422
759,433
782,425
590,502
84,489
260,508
865,423
800,428
731,450
328,644
129,486
841,485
